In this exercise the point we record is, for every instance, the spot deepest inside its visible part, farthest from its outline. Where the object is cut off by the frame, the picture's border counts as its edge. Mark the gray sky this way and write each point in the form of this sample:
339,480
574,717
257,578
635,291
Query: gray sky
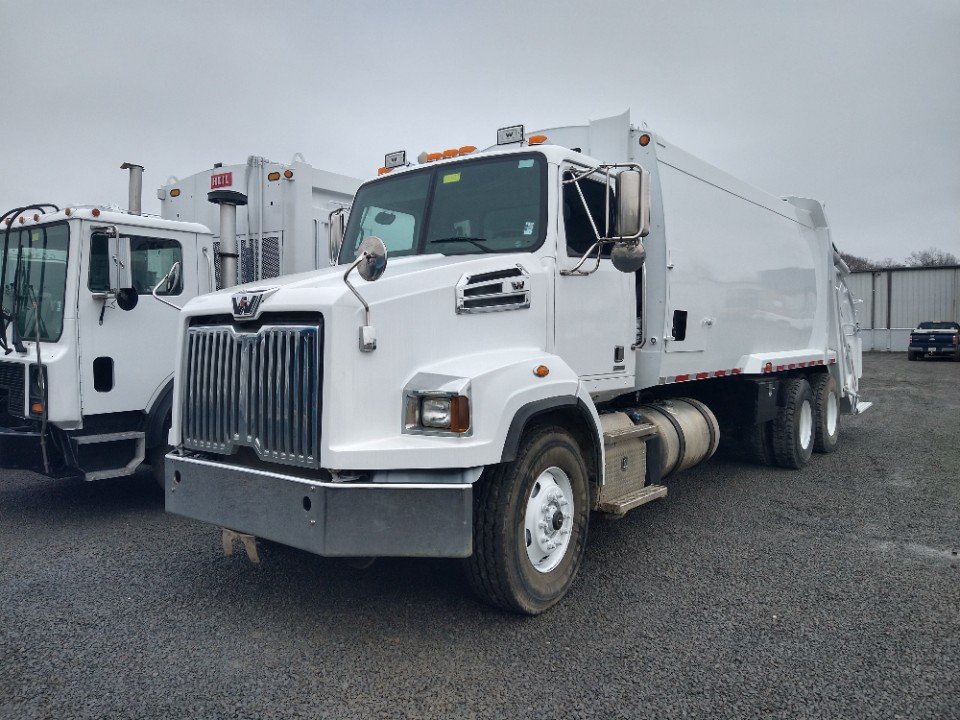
855,103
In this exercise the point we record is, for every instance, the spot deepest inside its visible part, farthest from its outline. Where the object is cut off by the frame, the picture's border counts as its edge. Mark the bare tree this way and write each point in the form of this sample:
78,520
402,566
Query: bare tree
931,257
855,262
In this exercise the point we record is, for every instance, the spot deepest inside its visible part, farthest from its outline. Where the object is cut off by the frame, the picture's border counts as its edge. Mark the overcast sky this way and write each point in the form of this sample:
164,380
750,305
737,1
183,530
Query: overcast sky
854,103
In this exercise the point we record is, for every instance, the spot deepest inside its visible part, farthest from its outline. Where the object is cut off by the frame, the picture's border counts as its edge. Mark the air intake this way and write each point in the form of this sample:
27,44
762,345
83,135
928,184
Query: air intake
507,289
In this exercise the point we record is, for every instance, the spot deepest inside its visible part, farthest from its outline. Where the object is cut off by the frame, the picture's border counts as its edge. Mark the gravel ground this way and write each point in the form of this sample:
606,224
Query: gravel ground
748,592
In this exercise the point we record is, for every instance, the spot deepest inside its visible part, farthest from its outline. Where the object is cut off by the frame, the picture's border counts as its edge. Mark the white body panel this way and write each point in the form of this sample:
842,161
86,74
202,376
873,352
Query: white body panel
754,273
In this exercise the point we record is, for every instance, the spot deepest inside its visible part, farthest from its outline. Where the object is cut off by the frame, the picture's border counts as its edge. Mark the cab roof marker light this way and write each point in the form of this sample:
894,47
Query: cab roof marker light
510,135
451,153
383,170
536,140
467,149
397,158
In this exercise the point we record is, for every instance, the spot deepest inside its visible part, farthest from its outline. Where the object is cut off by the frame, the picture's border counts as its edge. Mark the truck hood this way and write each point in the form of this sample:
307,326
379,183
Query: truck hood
404,276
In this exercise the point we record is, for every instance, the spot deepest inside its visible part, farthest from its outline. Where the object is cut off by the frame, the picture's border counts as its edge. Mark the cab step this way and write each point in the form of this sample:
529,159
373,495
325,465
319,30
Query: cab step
623,504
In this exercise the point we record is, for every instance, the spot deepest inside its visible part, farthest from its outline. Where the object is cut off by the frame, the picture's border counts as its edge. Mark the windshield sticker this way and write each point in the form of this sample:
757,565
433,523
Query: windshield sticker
528,227
525,163
451,178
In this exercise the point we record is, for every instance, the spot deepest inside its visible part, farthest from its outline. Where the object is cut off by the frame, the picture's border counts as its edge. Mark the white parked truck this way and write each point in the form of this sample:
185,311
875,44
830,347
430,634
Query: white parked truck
91,299
567,318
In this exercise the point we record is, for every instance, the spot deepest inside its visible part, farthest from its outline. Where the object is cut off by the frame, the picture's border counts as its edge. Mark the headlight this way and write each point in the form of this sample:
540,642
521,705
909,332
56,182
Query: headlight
449,413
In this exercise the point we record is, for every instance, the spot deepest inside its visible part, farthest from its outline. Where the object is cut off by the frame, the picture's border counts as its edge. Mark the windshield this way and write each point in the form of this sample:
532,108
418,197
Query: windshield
42,277
486,205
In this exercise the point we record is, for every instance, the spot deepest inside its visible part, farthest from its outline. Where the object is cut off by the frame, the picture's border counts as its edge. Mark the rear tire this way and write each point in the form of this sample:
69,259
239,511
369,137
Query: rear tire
911,355
826,408
758,445
793,428
530,523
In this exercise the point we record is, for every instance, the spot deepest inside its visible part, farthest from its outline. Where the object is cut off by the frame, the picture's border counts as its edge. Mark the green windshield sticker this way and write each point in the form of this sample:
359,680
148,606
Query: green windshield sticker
525,163
451,178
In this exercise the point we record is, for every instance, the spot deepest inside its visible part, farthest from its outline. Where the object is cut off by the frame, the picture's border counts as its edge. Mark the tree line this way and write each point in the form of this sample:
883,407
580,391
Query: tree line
931,257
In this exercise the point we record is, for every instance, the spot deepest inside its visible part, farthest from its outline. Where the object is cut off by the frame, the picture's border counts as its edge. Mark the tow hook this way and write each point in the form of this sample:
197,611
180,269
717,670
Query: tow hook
249,544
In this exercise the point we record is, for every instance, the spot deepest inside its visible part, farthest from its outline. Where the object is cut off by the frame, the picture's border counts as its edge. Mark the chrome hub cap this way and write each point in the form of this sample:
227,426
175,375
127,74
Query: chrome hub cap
833,413
548,519
806,425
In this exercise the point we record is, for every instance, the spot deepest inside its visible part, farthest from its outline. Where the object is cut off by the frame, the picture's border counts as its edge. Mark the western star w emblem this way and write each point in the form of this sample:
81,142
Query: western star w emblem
247,304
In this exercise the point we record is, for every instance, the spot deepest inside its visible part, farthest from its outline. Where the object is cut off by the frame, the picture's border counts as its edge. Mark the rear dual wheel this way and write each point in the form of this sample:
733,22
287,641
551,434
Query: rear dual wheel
826,406
793,428
530,524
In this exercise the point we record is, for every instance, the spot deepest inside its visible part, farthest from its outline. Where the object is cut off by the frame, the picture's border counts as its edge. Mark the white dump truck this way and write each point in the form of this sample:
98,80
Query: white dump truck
567,318
91,299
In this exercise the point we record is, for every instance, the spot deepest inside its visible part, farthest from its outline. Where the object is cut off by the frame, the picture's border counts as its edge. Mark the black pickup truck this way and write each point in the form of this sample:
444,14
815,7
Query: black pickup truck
935,339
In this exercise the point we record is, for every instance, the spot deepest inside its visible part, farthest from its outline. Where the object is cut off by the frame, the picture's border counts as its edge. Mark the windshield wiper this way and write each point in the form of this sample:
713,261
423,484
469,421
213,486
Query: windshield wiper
475,241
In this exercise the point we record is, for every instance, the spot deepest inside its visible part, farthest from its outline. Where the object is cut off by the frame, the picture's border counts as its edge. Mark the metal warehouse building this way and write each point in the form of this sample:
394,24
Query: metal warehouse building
895,300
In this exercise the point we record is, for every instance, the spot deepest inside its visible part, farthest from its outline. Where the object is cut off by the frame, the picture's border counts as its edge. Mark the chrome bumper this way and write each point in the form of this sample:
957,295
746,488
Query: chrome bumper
410,514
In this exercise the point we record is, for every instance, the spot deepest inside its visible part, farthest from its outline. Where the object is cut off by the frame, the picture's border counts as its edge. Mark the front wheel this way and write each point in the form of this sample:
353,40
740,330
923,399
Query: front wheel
530,524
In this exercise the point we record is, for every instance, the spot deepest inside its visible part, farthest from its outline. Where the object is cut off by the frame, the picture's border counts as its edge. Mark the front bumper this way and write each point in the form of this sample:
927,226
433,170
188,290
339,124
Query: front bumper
406,514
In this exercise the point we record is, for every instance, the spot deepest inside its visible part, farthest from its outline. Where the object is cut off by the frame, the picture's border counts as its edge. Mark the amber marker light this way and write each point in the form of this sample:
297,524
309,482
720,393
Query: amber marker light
383,170
36,216
68,212
175,192
274,176
467,149
537,140
95,212
36,408
541,371
644,140
288,174
459,414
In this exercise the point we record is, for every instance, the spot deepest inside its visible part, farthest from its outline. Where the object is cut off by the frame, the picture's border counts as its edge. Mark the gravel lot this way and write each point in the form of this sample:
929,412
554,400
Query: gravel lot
748,592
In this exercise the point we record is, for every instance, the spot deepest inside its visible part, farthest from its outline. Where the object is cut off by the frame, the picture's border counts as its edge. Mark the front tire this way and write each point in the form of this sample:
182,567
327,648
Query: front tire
530,524
793,428
826,407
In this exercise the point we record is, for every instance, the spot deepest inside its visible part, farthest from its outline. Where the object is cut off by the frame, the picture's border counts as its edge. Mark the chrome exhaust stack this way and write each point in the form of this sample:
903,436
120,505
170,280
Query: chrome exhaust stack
135,192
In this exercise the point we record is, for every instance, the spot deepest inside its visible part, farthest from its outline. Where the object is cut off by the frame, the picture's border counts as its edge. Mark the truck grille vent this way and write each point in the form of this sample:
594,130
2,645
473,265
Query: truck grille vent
256,389
12,384
495,291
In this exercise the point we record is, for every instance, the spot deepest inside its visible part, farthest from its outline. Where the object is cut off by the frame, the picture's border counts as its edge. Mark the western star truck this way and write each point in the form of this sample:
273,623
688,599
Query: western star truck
568,317
91,297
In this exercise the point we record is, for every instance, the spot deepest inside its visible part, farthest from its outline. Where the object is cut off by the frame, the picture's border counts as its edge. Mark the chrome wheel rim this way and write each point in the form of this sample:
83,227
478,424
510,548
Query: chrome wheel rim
548,520
806,424
833,413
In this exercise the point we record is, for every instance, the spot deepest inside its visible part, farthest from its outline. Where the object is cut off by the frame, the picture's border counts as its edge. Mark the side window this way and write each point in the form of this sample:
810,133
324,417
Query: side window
151,259
576,222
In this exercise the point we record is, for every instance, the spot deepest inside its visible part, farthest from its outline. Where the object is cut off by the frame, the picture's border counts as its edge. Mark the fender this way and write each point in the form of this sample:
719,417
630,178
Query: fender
159,411
580,404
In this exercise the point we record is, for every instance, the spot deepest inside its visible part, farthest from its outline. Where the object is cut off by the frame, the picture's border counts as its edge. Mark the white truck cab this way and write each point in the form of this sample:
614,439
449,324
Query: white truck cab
91,300
564,320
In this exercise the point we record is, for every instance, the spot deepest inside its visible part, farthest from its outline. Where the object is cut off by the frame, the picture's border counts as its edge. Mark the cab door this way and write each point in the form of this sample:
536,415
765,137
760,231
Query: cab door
126,355
594,314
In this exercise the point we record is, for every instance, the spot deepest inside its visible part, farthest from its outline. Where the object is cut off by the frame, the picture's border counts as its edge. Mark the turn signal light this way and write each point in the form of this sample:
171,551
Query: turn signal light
36,408
274,176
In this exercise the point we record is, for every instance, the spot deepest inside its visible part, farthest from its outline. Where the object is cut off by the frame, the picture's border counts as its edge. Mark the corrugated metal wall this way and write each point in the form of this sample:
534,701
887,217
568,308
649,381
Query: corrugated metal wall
894,301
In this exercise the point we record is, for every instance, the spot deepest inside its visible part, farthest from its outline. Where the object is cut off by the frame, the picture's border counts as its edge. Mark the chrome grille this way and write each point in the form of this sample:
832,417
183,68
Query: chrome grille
256,389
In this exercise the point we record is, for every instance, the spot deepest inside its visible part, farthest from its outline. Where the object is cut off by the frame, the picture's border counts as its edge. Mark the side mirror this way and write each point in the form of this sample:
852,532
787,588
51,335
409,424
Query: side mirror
335,230
633,204
121,266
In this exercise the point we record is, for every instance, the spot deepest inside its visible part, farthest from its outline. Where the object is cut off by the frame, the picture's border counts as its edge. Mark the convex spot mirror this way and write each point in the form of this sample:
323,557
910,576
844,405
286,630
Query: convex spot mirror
628,256
372,258
633,204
